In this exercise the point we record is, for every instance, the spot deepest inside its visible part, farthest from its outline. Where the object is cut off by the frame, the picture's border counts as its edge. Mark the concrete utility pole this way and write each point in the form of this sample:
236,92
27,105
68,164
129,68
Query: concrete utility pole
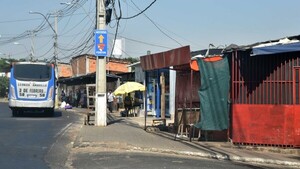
55,42
55,47
32,45
54,30
100,114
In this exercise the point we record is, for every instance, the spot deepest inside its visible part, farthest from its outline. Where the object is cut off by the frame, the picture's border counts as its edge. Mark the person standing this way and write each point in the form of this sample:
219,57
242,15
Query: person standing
127,104
119,102
110,100
63,96
78,97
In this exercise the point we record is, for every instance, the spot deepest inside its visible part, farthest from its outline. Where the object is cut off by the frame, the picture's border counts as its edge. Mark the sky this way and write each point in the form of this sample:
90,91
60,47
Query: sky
165,25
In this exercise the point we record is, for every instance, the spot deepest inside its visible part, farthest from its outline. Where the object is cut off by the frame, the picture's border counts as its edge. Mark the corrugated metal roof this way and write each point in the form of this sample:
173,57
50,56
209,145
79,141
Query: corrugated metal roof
166,59
234,47
88,79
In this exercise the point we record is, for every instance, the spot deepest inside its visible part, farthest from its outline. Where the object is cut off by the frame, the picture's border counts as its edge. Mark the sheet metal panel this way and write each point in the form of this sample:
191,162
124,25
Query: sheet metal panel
187,86
265,98
262,80
179,56
275,49
297,126
263,124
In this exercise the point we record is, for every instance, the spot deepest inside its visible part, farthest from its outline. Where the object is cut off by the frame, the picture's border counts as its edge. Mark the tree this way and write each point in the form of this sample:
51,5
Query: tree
4,65
4,84
131,59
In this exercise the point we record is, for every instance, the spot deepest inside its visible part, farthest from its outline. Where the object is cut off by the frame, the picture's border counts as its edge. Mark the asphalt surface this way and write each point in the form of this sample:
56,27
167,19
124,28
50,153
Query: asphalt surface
34,140
126,133
125,159
62,141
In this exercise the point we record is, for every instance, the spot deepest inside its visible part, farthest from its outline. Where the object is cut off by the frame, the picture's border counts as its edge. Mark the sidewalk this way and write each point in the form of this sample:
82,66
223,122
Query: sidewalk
129,133
3,99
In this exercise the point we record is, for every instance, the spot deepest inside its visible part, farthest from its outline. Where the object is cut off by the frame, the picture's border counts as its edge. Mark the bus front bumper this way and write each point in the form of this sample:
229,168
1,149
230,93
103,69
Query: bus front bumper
31,104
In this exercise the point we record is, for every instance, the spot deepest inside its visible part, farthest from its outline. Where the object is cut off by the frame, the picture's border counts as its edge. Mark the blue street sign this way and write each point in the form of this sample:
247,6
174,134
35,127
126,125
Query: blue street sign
101,42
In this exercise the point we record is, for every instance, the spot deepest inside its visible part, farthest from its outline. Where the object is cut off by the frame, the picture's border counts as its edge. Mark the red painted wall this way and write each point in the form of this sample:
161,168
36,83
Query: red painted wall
266,124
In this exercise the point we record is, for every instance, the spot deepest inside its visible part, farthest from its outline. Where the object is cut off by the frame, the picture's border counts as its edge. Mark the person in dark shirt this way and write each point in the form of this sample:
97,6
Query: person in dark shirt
78,94
63,96
127,104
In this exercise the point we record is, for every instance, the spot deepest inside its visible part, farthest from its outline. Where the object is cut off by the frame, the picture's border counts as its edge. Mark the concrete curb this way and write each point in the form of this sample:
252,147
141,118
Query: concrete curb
4,100
220,157
127,147
112,118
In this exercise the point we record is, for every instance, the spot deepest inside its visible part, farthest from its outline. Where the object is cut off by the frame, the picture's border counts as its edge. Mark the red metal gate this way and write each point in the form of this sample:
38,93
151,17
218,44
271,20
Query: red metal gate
296,98
265,99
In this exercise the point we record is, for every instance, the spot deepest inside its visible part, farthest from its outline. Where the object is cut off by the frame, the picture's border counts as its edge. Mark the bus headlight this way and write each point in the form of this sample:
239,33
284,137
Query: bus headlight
50,95
12,92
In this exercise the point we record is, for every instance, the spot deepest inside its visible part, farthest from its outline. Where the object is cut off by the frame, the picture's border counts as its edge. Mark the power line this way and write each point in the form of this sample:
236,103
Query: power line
117,26
118,18
145,43
83,43
140,12
19,20
157,26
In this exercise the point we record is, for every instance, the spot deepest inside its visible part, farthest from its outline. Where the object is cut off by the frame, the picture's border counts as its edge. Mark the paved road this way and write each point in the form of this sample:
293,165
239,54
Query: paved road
35,141
95,159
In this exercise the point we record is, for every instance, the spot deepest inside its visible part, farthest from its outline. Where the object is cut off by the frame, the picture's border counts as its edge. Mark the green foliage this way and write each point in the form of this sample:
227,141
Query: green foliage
4,65
4,84
131,59
4,81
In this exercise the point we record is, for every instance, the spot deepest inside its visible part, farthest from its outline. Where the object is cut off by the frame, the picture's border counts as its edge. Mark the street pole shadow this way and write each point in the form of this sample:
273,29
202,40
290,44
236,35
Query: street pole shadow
38,114
195,145
110,120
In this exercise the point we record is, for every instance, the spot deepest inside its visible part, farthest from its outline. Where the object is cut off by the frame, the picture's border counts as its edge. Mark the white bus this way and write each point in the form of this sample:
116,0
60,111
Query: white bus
32,87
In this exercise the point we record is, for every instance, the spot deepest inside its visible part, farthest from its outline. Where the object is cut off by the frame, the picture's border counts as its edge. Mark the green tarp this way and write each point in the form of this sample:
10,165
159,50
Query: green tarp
213,94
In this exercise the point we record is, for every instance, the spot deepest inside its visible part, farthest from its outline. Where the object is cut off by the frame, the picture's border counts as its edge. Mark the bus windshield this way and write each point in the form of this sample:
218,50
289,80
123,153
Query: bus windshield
33,72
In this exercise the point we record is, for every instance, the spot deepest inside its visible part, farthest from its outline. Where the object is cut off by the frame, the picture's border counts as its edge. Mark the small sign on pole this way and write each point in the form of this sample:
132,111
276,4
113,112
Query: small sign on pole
101,43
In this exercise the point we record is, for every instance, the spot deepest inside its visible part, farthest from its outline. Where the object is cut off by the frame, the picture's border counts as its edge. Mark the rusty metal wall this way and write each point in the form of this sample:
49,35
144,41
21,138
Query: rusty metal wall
187,86
174,57
263,79
265,94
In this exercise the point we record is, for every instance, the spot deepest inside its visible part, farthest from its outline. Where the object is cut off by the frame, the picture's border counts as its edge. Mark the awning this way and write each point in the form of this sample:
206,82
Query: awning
274,49
86,79
166,59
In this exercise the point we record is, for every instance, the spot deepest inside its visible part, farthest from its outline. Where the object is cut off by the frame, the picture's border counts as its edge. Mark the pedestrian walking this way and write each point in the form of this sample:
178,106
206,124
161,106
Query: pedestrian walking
110,100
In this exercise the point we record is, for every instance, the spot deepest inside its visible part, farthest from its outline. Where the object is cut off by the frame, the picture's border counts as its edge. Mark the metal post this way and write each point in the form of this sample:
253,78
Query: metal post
146,100
172,80
100,114
162,96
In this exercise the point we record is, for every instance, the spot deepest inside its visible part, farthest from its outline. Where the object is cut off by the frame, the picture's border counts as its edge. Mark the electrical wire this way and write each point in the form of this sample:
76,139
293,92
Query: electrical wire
85,41
117,26
140,12
145,43
19,20
118,18
156,25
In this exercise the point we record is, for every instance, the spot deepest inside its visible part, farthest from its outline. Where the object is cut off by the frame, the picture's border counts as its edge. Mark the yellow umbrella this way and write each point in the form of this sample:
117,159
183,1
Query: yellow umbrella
129,87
